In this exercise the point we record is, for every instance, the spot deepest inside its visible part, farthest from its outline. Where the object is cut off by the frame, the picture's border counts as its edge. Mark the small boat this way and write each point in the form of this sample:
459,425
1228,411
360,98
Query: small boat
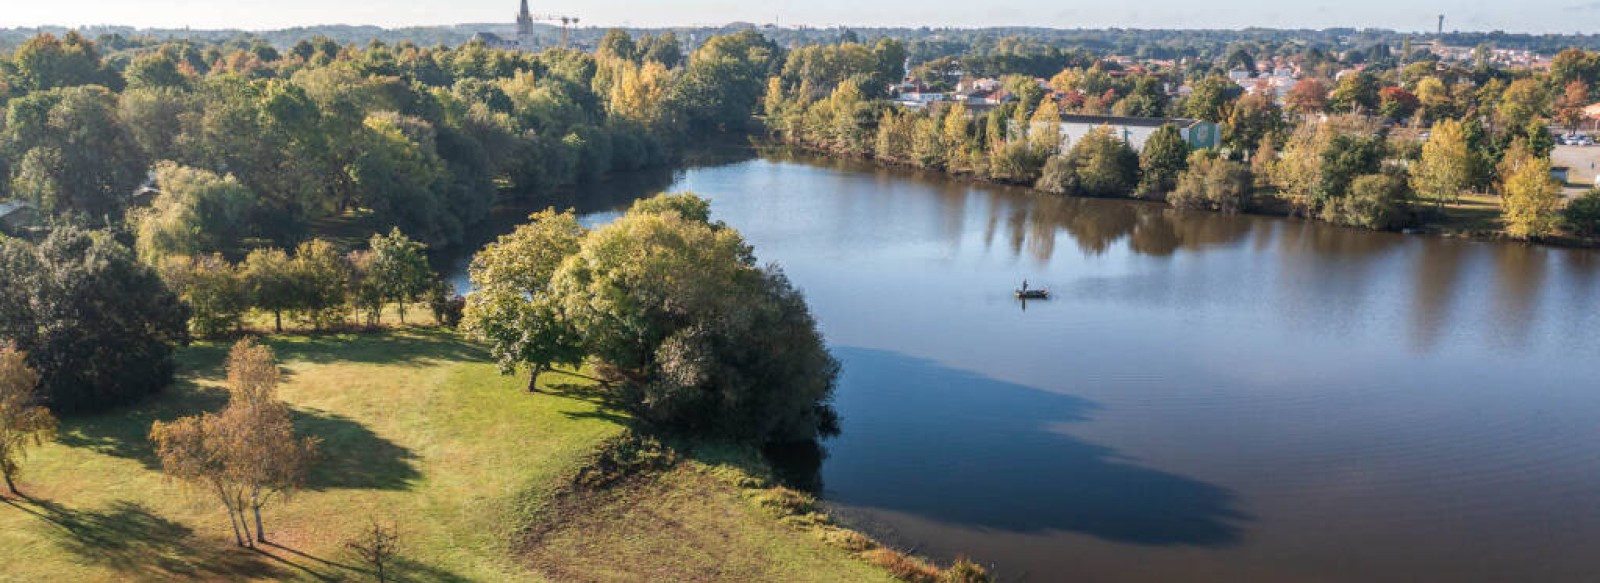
1033,294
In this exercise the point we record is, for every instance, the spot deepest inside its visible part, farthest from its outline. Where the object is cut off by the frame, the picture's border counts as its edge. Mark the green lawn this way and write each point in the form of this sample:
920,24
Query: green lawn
418,429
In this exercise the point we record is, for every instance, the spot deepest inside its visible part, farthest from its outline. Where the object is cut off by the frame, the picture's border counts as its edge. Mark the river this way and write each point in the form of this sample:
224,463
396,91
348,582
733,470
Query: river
1204,398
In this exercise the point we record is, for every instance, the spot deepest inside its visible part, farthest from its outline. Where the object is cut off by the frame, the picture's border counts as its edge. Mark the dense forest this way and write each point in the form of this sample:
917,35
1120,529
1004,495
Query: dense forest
235,145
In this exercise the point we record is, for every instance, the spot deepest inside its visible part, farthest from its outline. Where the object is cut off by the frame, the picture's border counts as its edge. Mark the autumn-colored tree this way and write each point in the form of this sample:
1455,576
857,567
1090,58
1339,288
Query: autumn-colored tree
23,421
1569,111
1531,203
1524,101
1445,168
247,454
1309,96
1396,103
1298,172
1263,161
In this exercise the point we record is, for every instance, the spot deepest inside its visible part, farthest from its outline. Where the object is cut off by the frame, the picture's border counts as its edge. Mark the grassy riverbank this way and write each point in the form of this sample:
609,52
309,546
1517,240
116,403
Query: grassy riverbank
418,429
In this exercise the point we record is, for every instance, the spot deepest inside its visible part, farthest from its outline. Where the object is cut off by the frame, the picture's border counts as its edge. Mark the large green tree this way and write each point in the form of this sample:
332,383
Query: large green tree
98,325
697,336
514,308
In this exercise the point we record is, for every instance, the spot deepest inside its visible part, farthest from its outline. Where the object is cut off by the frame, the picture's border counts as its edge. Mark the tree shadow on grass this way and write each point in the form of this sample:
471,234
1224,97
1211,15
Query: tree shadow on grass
141,545
400,569
413,347
353,456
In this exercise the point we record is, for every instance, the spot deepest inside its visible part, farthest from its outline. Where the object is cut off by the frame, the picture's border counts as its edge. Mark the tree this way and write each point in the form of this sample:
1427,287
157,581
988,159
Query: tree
23,421
1298,172
245,455
1164,157
1375,201
1263,161
98,325
321,277
662,49
1583,213
1355,93
377,547
1570,108
76,155
401,268
1307,97
1395,103
617,44
1523,102
46,62
1102,165
196,212
696,336
1532,203
1250,119
1445,168
1211,183
212,289
271,284
1210,98
514,309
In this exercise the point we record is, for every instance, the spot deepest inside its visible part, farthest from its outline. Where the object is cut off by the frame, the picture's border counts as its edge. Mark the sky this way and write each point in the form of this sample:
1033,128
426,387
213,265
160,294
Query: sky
1538,16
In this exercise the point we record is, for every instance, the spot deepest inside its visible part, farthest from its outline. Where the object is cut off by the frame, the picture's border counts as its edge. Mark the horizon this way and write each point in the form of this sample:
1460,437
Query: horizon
1478,16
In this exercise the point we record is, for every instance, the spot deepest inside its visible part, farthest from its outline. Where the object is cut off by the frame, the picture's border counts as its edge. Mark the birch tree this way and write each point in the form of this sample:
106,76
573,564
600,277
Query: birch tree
23,423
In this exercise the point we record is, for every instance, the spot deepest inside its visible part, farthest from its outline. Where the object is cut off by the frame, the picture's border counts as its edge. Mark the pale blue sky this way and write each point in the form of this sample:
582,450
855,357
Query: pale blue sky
1564,16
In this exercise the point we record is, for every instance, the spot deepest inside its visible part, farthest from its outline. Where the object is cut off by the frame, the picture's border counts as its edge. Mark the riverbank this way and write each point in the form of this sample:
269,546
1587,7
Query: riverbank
420,430
1474,216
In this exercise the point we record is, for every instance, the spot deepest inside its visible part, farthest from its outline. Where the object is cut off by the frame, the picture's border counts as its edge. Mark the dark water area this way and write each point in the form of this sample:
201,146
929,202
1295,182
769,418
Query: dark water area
1205,398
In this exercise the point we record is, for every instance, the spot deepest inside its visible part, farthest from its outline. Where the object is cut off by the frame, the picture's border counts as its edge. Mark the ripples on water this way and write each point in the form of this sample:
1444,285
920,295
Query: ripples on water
1206,397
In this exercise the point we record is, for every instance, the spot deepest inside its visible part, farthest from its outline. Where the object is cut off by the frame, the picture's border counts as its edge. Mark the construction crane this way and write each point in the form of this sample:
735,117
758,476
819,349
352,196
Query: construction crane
566,23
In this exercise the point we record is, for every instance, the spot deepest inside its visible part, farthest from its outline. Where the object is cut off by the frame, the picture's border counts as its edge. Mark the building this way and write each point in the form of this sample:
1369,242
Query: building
524,40
525,28
1135,130
17,215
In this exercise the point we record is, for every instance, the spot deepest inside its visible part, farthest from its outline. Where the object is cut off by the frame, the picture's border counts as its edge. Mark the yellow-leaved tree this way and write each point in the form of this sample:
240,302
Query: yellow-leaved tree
245,455
1531,199
1446,165
23,422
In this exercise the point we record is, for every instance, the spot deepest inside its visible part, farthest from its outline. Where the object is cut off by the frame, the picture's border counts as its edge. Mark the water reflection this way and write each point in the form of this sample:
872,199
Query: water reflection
1250,398
961,448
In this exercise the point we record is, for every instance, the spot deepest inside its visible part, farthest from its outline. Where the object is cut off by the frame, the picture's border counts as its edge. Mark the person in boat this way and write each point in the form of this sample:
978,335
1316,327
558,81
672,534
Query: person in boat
1024,287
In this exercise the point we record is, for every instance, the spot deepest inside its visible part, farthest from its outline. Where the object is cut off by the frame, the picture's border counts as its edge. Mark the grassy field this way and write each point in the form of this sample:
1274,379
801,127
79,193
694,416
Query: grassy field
418,429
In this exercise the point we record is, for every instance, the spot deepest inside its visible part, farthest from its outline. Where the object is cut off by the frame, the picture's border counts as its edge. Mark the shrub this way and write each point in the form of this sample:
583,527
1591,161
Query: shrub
1099,164
966,571
902,566
1583,214
448,306
1213,184
1376,201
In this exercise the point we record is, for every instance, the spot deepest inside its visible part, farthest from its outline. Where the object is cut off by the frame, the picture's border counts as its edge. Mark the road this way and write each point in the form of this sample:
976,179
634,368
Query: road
1584,162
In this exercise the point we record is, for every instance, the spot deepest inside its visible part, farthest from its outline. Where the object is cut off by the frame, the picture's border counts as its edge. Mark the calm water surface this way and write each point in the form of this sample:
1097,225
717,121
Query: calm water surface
1205,398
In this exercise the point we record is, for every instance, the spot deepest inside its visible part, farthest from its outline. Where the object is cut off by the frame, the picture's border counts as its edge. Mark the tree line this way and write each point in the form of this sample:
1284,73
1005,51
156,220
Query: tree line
242,144
1342,151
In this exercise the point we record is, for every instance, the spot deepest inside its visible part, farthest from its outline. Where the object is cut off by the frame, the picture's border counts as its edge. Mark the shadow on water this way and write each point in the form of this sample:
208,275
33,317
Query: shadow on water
960,448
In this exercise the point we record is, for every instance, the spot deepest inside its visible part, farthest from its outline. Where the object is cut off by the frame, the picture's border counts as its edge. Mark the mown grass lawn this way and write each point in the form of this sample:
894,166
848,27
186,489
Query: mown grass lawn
418,429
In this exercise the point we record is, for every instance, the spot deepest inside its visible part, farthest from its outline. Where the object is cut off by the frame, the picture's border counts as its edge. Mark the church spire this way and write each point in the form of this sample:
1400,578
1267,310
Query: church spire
524,12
